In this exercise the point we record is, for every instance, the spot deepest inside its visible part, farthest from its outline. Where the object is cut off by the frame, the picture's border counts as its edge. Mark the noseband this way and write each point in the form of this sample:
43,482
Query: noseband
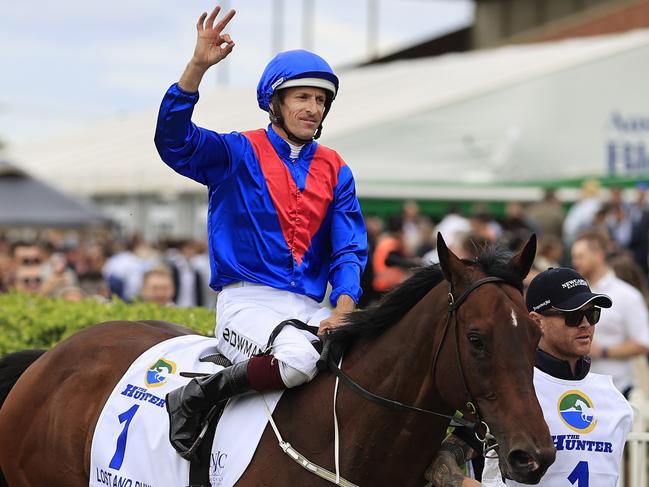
487,440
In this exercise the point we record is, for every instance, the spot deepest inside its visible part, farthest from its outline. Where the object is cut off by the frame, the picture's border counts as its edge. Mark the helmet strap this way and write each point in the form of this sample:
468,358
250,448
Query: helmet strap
324,115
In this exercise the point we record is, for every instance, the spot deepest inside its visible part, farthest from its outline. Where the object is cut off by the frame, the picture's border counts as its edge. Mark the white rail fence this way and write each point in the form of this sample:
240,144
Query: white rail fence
635,472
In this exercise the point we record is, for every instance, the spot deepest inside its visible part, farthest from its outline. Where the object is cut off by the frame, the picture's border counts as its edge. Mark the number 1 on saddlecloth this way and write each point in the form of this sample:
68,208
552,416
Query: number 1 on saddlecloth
118,457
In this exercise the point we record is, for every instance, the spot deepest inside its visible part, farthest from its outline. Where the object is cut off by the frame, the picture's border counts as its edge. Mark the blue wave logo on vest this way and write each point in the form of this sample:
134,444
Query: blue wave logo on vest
577,411
158,373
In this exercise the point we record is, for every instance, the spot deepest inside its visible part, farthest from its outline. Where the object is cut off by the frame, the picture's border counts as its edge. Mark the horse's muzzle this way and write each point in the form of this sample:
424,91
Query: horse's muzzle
528,466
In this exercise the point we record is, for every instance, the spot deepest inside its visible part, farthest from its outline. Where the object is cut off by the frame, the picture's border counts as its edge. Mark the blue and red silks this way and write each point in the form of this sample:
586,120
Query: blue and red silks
288,224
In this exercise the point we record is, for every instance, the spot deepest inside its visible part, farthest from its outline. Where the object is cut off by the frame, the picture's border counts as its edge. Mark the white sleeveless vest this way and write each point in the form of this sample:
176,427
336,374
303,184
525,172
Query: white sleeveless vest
589,421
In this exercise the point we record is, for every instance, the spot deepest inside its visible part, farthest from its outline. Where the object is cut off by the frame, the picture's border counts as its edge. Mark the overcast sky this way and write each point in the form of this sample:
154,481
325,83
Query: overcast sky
72,62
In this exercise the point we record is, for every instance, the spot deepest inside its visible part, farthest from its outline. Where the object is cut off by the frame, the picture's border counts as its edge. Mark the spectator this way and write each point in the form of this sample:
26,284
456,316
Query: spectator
6,266
71,293
411,226
29,279
201,262
581,215
549,253
428,237
95,256
187,280
451,227
639,216
158,287
547,215
626,269
567,312
623,332
600,224
374,229
57,275
391,261
516,221
483,225
27,254
124,271
94,285
619,224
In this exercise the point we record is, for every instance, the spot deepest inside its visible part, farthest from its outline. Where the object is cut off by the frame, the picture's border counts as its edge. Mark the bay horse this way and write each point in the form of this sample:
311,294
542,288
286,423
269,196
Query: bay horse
414,347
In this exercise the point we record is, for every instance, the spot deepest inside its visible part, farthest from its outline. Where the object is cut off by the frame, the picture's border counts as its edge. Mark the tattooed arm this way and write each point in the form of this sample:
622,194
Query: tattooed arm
445,470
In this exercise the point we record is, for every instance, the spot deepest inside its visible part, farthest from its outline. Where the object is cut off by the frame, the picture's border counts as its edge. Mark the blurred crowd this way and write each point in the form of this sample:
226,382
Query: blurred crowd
170,273
176,272
408,240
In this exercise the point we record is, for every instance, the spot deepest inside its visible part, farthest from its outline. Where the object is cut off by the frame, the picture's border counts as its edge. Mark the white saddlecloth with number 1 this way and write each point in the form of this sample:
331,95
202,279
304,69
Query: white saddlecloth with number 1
130,446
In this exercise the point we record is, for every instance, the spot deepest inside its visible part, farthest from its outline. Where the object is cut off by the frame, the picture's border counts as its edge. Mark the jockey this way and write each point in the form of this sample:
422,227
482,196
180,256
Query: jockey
283,221
588,418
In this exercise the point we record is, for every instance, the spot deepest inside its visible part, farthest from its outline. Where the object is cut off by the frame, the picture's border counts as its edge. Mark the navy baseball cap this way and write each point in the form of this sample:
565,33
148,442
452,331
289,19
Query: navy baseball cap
563,289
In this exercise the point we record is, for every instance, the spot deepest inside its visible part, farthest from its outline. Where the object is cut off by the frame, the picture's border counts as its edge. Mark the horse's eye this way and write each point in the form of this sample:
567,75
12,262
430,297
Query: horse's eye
476,341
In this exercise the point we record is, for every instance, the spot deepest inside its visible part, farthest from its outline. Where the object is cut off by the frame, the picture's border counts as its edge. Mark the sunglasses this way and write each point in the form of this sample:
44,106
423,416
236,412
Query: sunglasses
28,281
574,318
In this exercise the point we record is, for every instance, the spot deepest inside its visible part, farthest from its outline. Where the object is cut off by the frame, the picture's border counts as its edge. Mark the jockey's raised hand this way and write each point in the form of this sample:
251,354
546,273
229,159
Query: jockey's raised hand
212,46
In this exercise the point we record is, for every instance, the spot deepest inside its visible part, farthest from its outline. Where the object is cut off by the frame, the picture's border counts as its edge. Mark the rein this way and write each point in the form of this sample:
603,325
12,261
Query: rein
328,362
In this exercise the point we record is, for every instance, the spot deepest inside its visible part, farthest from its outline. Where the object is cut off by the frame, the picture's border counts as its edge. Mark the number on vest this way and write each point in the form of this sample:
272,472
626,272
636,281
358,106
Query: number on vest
579,475
118,457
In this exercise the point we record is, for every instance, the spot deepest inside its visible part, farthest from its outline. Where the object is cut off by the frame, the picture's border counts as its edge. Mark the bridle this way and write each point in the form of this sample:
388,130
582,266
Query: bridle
487,439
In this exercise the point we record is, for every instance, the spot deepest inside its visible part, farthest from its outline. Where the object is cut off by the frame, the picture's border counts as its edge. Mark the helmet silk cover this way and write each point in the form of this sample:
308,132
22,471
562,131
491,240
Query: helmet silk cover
287,68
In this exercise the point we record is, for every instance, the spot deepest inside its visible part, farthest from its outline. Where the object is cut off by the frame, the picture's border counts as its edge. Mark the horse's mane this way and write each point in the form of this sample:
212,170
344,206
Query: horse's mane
492,260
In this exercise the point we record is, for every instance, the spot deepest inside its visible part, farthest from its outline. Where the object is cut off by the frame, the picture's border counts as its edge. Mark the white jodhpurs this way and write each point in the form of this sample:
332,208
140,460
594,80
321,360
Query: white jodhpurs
246,315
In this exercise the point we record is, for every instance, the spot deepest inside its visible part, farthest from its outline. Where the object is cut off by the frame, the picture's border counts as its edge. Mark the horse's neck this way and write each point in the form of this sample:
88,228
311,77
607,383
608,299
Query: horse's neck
396,365
399,361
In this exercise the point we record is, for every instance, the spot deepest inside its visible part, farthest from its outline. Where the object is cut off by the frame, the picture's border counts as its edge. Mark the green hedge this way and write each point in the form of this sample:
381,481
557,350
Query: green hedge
28,321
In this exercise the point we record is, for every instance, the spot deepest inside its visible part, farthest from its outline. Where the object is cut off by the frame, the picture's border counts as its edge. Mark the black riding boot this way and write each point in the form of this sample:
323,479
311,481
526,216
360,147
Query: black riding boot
188,405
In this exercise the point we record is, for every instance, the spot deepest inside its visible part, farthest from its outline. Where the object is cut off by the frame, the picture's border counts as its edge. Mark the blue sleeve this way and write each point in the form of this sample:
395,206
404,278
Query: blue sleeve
200,154
348,240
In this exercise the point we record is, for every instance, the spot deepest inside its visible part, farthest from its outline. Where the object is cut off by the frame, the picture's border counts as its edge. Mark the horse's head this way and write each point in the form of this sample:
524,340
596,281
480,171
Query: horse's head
496,341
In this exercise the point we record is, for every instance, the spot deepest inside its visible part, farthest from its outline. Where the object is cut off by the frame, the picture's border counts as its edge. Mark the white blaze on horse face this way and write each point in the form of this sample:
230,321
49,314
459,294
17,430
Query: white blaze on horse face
514,318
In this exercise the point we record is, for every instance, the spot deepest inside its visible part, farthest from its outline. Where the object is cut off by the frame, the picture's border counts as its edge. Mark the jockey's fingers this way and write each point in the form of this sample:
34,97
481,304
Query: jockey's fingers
224,21
212,17
201,21
228,48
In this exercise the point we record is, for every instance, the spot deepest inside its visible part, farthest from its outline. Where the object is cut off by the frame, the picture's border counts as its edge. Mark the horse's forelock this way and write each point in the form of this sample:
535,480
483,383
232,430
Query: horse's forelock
497,261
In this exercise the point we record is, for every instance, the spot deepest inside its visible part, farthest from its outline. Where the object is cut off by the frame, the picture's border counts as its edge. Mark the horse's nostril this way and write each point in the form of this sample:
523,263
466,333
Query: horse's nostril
520,459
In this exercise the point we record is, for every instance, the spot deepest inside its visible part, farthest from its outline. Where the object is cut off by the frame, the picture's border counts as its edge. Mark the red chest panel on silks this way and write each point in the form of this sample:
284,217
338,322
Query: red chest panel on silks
300,213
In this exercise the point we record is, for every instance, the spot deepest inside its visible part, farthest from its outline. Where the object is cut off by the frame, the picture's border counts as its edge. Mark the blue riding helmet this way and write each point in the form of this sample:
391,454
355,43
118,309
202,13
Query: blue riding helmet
295,68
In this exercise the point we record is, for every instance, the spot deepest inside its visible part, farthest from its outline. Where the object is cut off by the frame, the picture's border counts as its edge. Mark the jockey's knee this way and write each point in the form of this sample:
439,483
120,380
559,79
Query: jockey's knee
293,377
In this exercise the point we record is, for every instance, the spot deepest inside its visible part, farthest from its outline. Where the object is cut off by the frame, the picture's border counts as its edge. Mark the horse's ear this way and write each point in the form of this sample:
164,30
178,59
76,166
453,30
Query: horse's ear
450,264
524,259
